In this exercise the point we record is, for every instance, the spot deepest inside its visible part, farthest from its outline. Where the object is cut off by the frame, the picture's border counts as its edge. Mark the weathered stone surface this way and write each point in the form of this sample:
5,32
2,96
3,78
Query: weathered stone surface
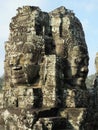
76,98
46,64
1,100
75,116
92,113
96,62
51,123
95,83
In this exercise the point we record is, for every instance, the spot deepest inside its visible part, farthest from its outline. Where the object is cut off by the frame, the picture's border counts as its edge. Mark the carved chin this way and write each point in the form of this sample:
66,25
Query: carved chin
79,81
19,78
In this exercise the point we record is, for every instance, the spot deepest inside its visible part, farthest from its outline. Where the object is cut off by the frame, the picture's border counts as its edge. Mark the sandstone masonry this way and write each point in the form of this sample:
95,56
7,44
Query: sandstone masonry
46,64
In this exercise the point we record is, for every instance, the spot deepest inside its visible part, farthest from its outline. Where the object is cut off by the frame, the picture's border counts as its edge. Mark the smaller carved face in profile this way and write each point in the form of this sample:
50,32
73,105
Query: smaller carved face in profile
96,62
78,65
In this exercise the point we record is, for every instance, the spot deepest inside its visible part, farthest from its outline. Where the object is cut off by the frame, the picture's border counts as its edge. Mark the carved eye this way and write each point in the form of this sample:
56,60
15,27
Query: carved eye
78,61
82,61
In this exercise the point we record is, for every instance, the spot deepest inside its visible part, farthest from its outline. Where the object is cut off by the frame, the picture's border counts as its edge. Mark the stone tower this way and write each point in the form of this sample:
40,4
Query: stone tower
46,64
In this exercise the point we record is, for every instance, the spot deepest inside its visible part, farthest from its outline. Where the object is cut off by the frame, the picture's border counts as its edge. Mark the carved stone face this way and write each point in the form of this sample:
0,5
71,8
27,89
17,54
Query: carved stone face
96,63
23,64
78,66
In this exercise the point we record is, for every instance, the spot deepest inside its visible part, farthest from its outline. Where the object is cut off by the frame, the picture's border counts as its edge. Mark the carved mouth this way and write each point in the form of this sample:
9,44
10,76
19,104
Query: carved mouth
17,68
83,74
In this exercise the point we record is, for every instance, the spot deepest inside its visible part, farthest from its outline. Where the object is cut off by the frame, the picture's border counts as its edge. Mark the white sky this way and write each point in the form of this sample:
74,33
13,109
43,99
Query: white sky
85,10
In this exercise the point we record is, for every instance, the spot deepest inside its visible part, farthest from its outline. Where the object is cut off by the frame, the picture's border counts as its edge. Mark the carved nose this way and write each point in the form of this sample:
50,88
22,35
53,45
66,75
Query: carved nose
84,69
14,62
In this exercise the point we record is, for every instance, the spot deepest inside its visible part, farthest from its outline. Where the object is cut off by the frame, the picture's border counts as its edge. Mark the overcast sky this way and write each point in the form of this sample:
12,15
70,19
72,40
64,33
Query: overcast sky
85,10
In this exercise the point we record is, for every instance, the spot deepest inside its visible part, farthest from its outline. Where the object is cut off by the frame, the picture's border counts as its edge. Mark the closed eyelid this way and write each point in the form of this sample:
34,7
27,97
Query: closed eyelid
77,61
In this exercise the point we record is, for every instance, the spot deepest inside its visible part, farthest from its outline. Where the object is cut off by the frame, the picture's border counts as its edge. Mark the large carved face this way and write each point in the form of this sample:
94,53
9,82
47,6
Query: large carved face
23,62
78,63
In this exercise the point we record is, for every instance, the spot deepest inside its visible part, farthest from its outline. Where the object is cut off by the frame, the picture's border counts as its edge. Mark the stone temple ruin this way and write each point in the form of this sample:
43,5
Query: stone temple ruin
46,64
